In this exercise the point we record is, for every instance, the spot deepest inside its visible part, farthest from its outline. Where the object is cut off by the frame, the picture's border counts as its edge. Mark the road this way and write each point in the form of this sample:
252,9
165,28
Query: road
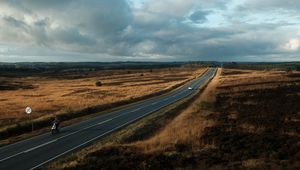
36,152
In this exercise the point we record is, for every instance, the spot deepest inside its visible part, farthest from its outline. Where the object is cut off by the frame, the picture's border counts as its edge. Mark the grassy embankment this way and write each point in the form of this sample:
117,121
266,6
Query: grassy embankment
243,120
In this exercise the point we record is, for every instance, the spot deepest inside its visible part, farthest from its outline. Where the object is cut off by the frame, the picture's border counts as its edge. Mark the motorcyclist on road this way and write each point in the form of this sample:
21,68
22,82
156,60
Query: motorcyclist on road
56,122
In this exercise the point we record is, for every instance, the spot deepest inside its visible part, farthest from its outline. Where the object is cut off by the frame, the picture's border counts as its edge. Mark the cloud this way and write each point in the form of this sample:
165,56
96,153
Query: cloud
292,45
199,16
169,8
290,5
64,22
48,30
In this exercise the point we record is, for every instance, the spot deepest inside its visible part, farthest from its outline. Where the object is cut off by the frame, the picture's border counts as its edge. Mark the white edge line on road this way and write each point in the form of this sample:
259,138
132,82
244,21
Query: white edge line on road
78,146
34,137
136,110
11,156
13,144
47,143
44,144
39,146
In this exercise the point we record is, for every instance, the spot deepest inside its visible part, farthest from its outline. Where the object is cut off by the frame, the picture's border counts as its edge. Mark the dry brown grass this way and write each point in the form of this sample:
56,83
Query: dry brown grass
55,95
260,89
257,115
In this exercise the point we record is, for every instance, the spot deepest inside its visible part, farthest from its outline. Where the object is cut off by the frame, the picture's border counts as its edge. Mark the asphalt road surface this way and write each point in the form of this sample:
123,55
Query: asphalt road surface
36,152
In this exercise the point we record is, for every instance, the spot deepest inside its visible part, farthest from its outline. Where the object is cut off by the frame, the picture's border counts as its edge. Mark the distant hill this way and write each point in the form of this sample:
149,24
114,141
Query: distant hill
54,67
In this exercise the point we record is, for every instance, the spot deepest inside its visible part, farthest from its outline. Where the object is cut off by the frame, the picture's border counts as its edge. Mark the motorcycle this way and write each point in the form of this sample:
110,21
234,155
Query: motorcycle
54,129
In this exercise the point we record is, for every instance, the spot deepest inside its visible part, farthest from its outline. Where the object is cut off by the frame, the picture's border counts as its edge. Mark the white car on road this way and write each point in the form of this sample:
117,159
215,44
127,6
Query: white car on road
190,88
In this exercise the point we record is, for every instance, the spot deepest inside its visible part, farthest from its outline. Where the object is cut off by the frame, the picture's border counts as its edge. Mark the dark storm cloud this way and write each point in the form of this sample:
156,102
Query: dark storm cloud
199,16
66,25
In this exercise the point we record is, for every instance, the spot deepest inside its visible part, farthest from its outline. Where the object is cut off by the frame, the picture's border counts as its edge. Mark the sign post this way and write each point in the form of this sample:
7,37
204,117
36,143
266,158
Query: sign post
28,111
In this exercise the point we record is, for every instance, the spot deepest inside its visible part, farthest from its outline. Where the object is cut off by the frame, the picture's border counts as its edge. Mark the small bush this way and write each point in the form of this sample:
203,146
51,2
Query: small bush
98,83
181,147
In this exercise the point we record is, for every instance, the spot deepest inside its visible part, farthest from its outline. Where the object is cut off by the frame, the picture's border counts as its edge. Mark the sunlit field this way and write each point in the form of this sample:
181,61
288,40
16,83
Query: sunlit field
54,94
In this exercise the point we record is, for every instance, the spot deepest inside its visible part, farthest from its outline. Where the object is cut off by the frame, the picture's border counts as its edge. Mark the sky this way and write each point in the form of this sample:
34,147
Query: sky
149,30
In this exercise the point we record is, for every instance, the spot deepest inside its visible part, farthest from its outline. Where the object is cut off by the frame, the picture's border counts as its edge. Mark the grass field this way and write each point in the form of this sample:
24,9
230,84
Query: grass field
55,94
243,120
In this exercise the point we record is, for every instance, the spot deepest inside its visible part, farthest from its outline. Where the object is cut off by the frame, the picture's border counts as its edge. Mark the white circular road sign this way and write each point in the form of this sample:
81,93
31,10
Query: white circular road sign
28,110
